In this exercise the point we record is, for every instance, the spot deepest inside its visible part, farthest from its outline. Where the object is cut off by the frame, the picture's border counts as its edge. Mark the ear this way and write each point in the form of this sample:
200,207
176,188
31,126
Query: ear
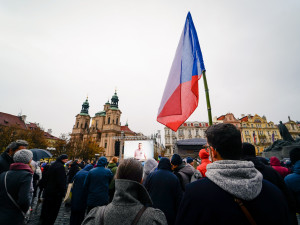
214,154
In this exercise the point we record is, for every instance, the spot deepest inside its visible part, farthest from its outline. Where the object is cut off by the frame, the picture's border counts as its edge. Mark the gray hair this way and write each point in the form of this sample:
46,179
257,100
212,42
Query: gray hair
130,169
16,144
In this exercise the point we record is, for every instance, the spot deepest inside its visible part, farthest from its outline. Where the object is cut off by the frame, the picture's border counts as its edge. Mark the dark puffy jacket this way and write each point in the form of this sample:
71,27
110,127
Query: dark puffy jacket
78,203
5,161
275,163
96,184
204,202
18,181
72,172
56,180
293,183
165,190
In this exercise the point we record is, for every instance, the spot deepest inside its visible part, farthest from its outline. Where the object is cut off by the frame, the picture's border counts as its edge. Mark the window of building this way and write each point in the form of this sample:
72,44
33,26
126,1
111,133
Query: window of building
197,131
77,124
117,121
105,145
108,121
251,125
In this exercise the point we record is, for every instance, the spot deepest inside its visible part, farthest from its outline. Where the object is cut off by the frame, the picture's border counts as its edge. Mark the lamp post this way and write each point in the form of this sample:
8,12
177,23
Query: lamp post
121,143
96,157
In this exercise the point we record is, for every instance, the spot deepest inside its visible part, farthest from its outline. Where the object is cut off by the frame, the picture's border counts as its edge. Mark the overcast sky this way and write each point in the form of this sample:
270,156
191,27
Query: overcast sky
55,53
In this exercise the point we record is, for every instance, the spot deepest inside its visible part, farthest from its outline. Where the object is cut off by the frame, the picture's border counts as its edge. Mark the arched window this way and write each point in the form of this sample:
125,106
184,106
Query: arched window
117,121
77,124
108,121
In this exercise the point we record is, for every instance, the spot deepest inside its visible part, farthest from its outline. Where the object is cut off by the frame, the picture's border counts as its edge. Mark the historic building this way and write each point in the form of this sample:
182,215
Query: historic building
254,129
188,130
104,128
293,128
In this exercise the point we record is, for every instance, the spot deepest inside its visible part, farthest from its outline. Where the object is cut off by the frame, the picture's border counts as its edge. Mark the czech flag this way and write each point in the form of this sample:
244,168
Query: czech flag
180,98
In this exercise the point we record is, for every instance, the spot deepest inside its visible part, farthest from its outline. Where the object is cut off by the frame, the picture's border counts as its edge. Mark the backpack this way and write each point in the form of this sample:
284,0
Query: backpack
196,176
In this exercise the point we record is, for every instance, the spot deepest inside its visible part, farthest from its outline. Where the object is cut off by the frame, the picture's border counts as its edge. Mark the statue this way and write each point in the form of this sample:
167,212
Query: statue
285,134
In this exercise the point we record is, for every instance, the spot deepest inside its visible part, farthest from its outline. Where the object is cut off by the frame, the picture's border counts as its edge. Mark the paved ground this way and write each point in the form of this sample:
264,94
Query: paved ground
63,217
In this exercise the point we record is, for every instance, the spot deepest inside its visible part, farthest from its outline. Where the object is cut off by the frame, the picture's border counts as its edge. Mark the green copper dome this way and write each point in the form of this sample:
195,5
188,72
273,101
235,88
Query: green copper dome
85,108
114,100
101,113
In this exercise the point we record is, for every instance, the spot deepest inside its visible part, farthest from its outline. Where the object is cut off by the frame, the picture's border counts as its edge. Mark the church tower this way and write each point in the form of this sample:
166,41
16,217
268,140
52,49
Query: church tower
82,121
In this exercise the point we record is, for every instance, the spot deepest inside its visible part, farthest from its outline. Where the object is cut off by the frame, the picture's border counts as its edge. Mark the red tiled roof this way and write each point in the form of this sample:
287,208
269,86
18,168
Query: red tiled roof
244,119
32,126
50,136
126,129
11,120
221,118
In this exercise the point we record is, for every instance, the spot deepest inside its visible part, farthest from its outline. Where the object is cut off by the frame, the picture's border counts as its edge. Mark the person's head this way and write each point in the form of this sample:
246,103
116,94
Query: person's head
140,146
23,156
248,150
15,146
189,160
164,164
176,161
114,159
63,158
203,154
295,155
102,161
130,169
225,140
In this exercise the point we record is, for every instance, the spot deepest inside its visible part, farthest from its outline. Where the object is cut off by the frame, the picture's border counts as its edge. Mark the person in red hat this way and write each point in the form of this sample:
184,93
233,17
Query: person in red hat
204,155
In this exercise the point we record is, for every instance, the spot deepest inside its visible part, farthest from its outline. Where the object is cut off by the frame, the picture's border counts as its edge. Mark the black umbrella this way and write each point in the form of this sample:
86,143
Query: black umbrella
40,153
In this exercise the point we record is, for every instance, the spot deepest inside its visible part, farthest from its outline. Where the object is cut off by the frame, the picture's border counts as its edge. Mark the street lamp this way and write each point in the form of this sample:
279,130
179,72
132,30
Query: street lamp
96,157
121,144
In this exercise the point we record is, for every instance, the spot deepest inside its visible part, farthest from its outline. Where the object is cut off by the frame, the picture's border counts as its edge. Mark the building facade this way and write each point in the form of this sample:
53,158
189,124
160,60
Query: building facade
103,128
188,130
293,128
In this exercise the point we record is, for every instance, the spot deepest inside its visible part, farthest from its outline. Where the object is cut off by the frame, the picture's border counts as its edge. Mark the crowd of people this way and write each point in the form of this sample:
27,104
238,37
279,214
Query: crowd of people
231,185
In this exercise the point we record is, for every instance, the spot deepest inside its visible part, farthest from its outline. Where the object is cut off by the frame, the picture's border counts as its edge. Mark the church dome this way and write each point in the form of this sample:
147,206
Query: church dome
85,108
101,113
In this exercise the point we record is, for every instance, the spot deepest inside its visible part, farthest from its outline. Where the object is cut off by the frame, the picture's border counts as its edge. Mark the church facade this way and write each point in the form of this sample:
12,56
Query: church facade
104,128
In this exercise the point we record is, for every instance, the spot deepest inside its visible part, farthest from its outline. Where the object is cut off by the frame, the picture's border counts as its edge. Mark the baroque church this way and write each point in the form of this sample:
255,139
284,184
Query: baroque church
104,128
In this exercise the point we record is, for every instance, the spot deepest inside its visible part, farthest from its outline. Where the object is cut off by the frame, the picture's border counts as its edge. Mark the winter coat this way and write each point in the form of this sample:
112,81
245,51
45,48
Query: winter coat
293,183
129,198
275,163
56,180
72,172
5,161
275,178
113,168
165,190
77,202
96,184
204,156
18,181
43,181
211,200
150,164
184,172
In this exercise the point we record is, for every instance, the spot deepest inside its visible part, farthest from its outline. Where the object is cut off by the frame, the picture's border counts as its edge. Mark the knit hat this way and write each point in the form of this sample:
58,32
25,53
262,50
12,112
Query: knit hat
176,160
23,156
62,157
203,154
189,159
248,150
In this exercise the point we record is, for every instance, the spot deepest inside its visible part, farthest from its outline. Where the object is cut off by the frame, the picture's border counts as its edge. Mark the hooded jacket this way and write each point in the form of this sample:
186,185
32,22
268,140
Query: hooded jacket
275,163
226,180
113,168
293,183
18,181
77,202
204,155
165,190
96,184
129,198
184,172
150,164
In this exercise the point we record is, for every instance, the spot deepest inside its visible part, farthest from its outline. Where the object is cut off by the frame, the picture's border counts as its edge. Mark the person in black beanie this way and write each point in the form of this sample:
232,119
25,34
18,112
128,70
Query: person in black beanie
181,170
55,191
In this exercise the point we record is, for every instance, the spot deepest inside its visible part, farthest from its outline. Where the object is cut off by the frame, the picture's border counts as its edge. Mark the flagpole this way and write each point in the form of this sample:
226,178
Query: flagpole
207,99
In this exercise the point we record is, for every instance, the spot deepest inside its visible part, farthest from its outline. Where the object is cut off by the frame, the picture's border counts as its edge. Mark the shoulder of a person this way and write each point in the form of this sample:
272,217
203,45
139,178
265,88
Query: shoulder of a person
155,214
